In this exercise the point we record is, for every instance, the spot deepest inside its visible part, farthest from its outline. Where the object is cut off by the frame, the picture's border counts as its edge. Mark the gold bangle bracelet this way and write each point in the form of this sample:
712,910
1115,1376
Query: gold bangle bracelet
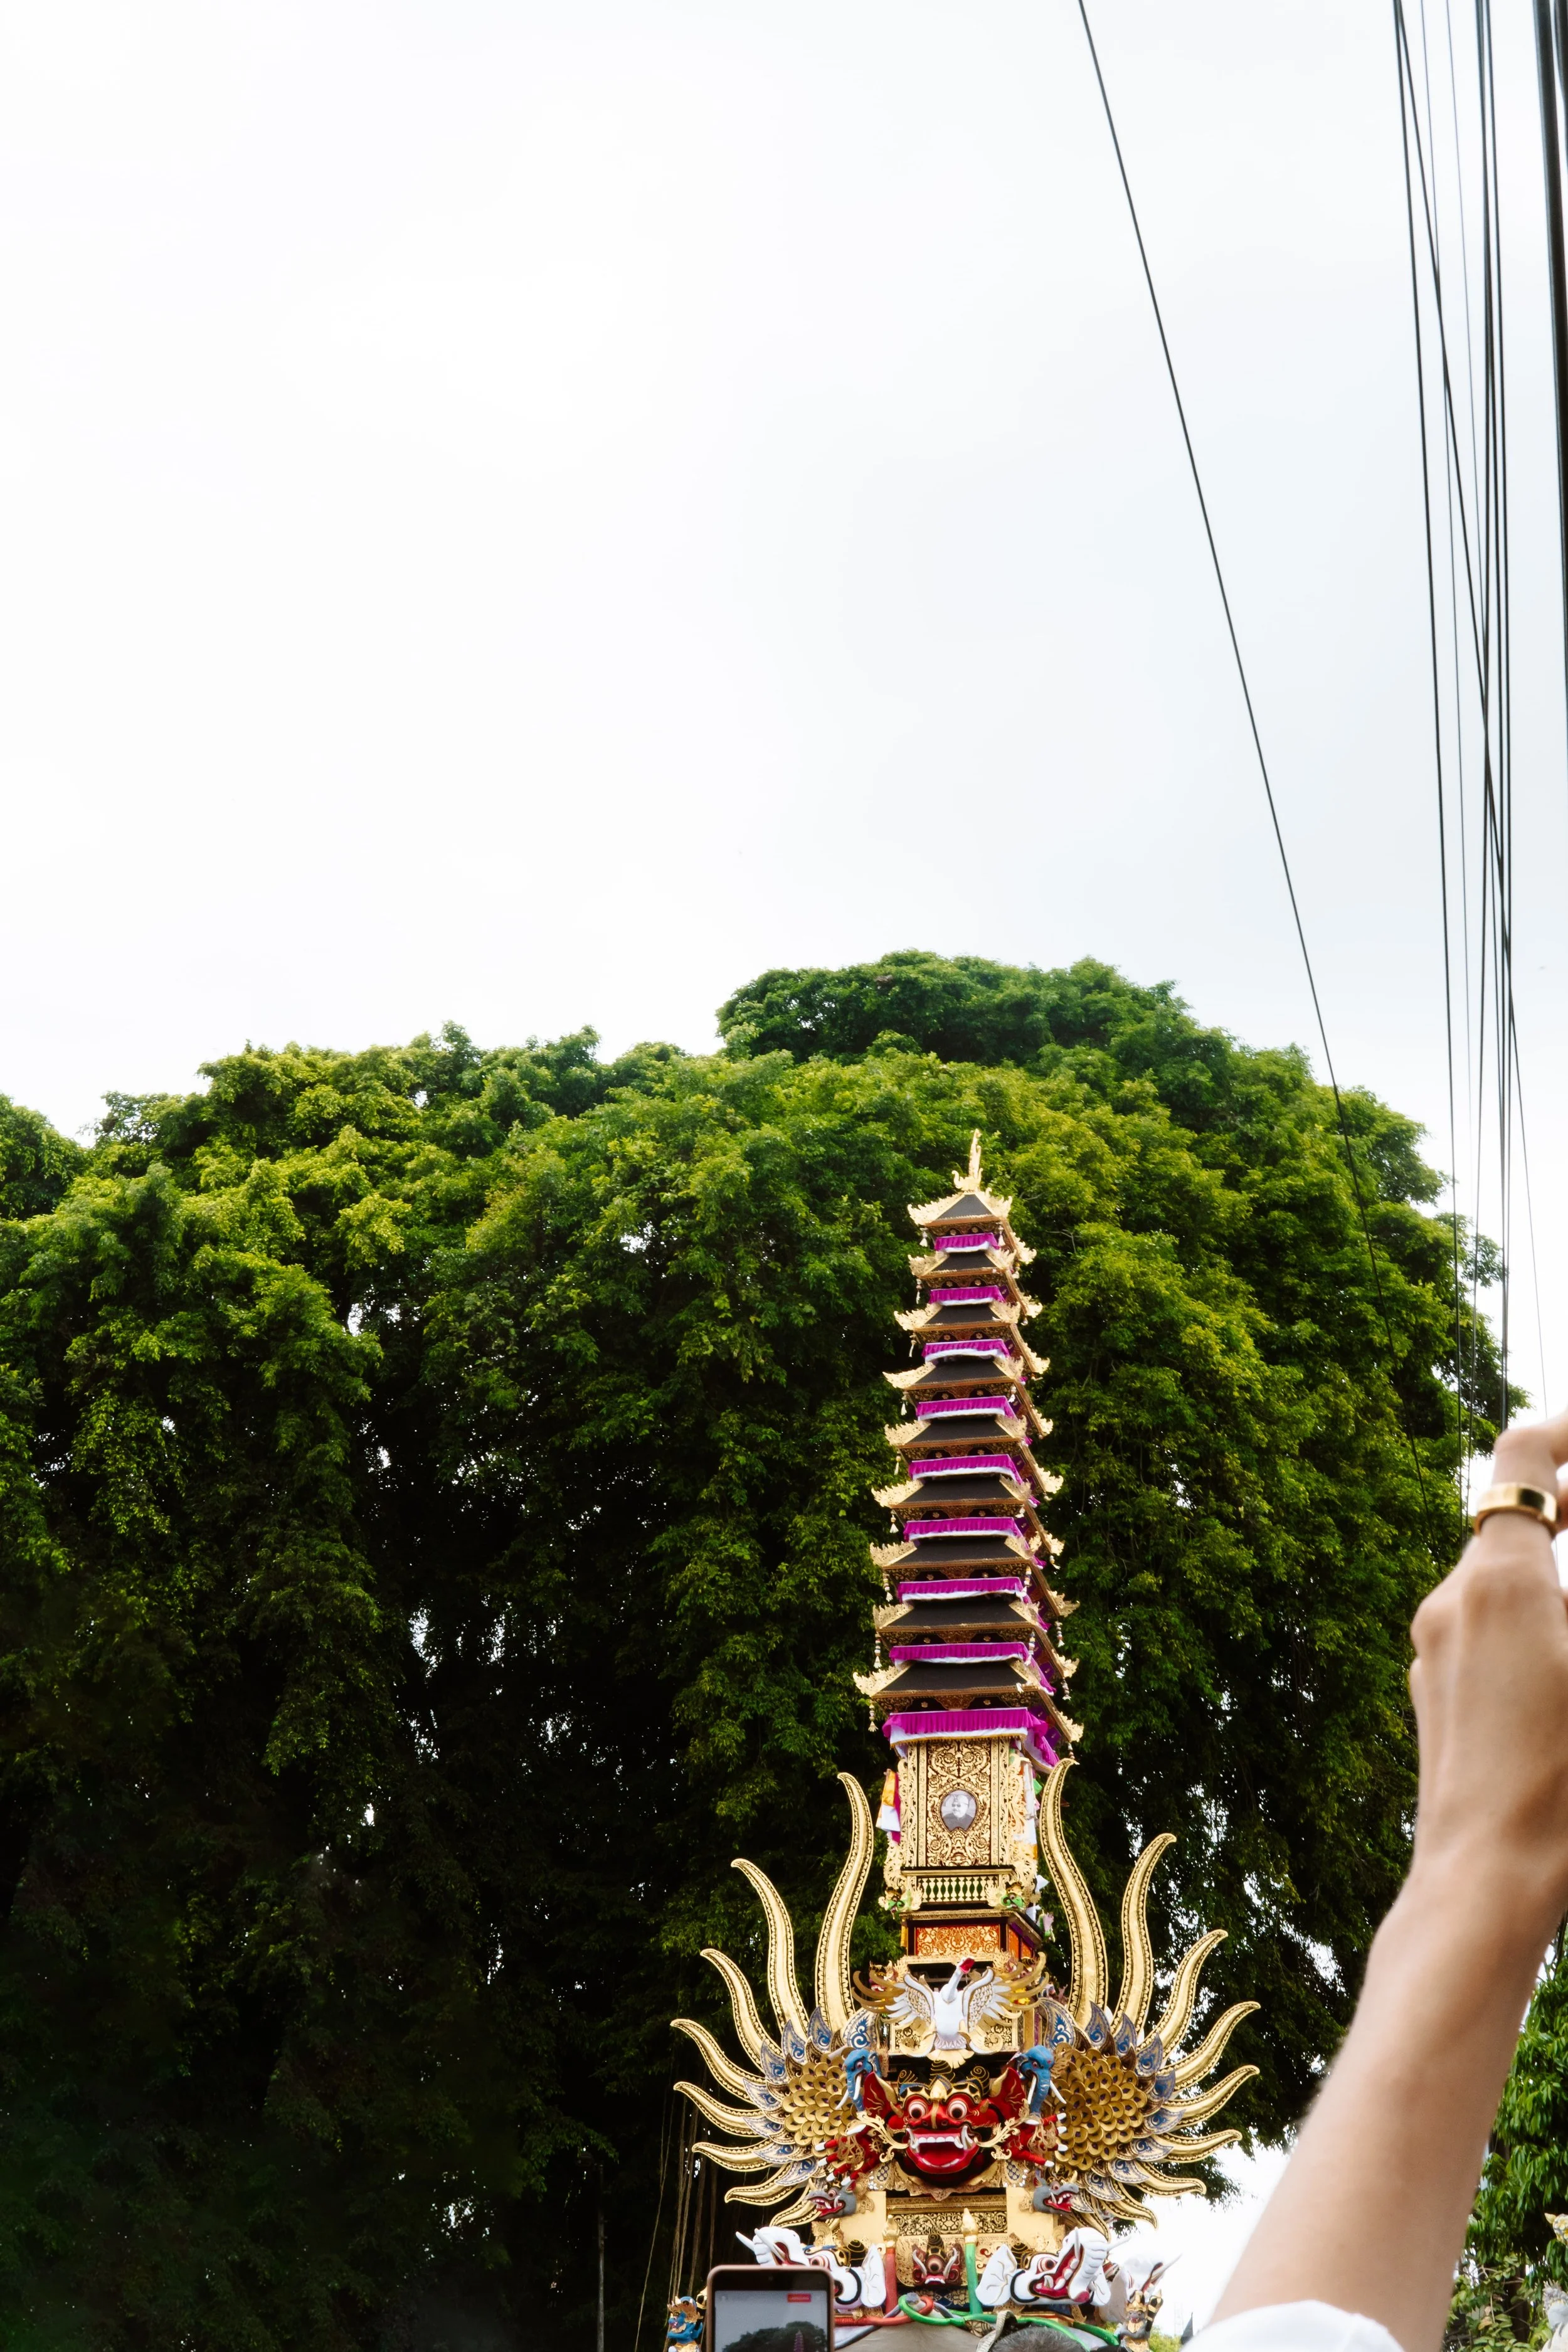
1532,1502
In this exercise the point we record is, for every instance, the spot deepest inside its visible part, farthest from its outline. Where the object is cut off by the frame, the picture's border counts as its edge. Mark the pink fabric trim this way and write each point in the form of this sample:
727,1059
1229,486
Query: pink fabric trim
967,1348
904,1653
915,1528
967,1587
949,1465
968,1240
964,1405
966,1297
1001,1722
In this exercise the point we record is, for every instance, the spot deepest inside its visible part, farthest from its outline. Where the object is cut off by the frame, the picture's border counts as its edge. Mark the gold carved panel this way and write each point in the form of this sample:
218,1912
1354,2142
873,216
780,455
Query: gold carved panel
947,2221
912,2230
941,1766
980,1940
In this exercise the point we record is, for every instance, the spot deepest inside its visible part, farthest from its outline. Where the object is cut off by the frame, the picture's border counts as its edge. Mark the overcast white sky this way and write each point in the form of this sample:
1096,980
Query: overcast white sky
531,514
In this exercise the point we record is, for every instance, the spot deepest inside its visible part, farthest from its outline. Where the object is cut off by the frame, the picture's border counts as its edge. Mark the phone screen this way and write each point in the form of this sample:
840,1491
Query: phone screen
790,2317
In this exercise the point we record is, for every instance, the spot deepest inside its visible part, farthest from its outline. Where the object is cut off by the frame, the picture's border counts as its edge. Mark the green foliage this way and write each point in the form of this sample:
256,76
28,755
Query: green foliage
434,1493
35,1164
1526,2173
1496,2306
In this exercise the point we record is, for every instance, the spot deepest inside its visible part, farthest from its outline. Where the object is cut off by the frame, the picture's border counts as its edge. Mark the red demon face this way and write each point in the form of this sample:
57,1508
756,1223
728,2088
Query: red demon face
940,2132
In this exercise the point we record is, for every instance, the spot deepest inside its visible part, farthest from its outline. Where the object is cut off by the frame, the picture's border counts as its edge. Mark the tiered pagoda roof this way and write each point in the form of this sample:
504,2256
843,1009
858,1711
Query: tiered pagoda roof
970,1611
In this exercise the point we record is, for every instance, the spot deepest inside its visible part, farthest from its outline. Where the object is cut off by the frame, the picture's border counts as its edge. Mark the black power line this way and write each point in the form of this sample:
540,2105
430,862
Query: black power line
1548,61
1478,501
1252,722
1437,736
1454,479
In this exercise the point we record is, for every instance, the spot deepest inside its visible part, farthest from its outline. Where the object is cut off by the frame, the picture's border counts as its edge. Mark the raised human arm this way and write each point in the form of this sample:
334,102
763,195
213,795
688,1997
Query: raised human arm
1370,2212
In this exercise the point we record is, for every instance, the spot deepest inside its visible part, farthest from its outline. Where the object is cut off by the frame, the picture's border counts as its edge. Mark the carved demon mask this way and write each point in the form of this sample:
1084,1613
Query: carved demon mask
940,2129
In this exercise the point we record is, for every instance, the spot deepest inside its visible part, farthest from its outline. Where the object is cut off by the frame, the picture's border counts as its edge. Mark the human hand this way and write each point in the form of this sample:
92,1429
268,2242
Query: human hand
1369,2216
1489,1685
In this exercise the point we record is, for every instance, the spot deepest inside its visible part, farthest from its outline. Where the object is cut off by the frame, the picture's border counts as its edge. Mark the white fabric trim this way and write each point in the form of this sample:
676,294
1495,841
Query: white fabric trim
1296,2327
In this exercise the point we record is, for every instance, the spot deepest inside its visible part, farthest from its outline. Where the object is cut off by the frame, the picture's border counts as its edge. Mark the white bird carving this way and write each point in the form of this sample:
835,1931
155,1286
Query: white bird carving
950,2005
953,2012
950,2009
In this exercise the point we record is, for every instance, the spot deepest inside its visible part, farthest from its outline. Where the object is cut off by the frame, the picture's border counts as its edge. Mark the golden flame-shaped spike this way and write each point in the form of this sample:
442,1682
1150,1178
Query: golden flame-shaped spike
1198,2111
1177,2184
1128,2209
1137,1952
782,1991
802,2209
1210,2143
746,2120
834,1993
1088,1938
1185,1991
720,2065
1196,2063
735,2159
743,2004
763,2192
1163,2184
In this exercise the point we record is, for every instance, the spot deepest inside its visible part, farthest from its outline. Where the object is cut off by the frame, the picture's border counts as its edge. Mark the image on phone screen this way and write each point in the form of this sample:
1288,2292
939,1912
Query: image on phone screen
780,2319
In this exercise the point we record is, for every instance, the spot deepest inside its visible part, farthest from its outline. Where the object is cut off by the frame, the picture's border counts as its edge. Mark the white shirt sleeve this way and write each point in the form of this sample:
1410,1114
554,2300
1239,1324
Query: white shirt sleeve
1296,2327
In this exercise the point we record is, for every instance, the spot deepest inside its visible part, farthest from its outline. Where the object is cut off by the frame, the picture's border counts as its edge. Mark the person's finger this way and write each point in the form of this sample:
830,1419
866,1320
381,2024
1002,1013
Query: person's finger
1509,1554
1545,1440
1504,1582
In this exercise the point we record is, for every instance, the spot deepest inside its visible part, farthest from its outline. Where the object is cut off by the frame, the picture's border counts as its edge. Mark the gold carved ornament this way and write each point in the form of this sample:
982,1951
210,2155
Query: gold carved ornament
1130,2098
797,2097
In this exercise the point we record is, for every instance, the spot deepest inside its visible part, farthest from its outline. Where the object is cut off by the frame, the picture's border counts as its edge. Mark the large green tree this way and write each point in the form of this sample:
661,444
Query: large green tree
1526,2174
434,1515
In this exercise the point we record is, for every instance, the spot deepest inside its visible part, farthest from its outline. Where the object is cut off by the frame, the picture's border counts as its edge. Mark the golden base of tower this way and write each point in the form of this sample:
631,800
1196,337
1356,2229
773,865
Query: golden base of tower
920,2198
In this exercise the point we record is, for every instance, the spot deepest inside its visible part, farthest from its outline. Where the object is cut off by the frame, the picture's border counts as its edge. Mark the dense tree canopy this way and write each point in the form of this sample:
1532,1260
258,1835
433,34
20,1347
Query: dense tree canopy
434,1519
1526,2174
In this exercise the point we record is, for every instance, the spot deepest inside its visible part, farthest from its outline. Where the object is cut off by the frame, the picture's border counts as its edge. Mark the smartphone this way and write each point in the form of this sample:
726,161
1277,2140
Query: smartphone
763,2308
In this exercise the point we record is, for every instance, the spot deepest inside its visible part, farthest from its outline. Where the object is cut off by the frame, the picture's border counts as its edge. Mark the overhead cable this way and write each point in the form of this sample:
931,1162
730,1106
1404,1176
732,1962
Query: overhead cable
1252,722
1438,748
1549,73
1473,358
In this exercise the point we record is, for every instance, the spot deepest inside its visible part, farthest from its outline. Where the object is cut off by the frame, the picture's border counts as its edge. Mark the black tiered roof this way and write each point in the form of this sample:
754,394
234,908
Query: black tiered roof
995,1418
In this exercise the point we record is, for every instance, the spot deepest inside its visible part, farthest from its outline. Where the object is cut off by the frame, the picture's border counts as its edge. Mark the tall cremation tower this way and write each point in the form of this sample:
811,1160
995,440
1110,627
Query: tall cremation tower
968,1695
965,2127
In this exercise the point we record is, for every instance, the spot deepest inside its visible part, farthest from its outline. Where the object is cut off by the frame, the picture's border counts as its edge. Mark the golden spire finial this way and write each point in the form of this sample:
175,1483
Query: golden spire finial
972,1180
